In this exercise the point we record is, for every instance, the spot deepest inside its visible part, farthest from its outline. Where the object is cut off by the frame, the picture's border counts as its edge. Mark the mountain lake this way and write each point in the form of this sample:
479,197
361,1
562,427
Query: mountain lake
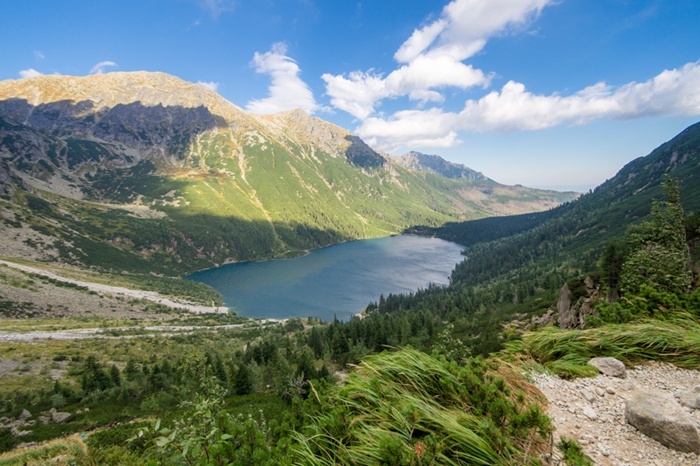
337,281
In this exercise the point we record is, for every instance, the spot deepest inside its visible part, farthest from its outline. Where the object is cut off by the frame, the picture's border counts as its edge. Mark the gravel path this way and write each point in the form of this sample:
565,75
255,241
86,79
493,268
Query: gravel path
591,410
124,292
82,333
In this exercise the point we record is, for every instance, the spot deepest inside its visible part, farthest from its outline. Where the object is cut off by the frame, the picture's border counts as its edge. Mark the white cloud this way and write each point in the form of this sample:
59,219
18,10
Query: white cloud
513,108
287,90
433,71
411,129
100,67
472,22
672,92
30,73
216,7
211,85
39,55
419,41
357,94
432,57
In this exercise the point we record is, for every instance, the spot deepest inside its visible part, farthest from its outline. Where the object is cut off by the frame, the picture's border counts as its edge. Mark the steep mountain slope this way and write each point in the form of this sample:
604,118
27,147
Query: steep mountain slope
144,171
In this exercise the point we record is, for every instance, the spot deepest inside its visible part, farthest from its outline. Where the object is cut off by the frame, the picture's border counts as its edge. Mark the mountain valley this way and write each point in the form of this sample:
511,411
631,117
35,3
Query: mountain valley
114,186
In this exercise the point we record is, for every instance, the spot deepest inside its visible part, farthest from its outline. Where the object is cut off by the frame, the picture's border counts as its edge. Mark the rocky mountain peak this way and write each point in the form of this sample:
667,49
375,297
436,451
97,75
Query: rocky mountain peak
437,165
105,91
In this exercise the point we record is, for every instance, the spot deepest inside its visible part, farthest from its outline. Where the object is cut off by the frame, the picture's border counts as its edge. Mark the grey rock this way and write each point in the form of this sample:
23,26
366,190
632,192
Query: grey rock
572,314
628,385
566,318
609,366
59,417
691,399
19,433
659,416
25,415
590,413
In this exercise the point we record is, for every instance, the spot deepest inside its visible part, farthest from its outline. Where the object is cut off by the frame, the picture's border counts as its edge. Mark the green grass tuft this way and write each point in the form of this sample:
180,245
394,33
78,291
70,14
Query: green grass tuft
567,352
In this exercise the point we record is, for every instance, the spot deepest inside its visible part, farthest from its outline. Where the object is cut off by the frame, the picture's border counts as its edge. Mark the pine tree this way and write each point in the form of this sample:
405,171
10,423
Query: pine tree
242,383
611,265
115,376
660,256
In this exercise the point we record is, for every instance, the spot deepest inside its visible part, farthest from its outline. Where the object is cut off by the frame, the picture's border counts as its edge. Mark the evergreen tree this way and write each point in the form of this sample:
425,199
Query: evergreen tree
115,376
242,383
94,377
611,265
660,256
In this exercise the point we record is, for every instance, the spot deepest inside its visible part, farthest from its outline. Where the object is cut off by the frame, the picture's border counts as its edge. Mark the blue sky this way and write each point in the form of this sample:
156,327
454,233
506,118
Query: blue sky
546,93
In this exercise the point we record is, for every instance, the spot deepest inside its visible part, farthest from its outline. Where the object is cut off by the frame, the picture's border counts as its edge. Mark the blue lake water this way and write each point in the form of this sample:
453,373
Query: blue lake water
336,281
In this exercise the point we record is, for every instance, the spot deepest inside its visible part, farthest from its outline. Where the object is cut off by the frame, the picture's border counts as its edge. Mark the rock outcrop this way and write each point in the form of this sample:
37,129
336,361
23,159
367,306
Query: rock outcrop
575,304
658,415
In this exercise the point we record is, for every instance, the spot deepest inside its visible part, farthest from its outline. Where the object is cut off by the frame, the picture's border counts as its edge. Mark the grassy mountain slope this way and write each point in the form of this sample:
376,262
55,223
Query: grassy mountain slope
145,172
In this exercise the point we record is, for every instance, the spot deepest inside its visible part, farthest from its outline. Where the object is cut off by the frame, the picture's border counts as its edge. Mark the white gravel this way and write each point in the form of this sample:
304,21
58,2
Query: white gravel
591,410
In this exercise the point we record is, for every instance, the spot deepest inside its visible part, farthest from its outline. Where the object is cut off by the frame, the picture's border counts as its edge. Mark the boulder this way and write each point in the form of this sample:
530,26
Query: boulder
25,415
609,366
691,399
659,416
57,416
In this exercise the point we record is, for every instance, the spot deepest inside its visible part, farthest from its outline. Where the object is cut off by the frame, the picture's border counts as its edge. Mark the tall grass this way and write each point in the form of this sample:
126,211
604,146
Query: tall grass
567,352
408,408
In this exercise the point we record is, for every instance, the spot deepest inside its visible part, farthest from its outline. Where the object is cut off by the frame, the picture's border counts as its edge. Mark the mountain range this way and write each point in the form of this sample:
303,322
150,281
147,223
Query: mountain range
145,172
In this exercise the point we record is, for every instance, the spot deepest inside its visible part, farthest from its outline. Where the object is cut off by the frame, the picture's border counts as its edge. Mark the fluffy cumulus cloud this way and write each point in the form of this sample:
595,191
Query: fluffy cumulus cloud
287,91
672,92
432,58
513,108
102,66
411,129
30,73
211,85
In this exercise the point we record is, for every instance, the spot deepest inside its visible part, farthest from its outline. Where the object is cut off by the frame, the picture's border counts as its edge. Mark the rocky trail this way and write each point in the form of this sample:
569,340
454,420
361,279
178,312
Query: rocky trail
113,332
123,292
592,411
